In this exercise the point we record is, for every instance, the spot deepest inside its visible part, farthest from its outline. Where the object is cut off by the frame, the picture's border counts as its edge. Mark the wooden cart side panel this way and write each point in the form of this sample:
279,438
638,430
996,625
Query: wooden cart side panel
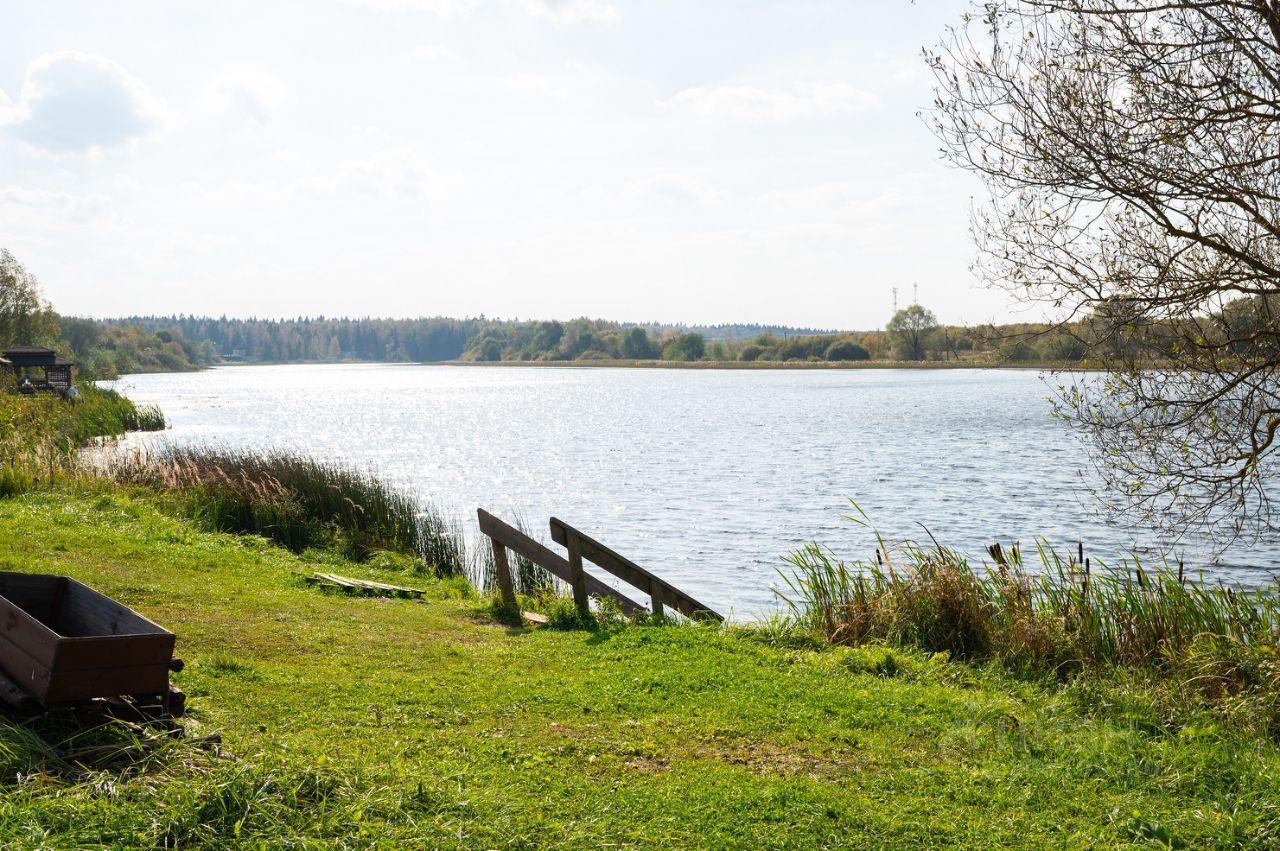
88,613
23,631
25,670
37,593
113,651
107,682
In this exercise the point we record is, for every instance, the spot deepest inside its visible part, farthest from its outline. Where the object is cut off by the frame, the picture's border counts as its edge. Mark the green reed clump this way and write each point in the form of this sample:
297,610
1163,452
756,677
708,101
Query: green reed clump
41,433
45,420
97,412
299,502
1217,643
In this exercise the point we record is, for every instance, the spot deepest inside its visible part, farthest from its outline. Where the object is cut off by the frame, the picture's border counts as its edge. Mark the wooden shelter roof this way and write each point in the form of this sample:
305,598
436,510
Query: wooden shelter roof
33,356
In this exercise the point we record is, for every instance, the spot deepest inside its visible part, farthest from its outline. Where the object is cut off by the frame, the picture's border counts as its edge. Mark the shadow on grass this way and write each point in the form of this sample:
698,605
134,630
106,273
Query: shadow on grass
70,746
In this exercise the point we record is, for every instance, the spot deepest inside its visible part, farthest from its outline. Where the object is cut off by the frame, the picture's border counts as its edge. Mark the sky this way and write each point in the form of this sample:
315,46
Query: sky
686,161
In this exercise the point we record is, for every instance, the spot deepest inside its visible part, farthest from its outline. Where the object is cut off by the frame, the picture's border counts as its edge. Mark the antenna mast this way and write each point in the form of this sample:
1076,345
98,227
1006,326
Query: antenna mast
915,293
895,300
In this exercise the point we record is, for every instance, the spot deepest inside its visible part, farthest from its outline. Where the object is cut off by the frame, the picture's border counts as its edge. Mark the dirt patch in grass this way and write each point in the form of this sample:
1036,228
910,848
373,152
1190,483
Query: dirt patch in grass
767,759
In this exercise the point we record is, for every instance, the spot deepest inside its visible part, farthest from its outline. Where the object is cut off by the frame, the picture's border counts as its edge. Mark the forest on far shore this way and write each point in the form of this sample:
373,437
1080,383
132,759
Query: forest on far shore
106,348
913,335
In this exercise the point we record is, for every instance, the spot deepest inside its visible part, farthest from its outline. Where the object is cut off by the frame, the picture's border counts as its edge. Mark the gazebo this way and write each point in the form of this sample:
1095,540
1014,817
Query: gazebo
36,368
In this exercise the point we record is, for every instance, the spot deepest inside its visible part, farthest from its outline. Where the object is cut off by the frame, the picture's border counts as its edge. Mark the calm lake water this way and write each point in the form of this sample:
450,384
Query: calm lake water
704,476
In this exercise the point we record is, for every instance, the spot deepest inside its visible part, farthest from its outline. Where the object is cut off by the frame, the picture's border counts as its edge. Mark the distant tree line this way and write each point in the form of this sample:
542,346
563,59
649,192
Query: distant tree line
105,348
912,335
316,339
324,339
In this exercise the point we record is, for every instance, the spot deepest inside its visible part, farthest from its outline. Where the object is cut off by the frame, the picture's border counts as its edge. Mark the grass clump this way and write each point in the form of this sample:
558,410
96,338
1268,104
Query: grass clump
299,503
1214,644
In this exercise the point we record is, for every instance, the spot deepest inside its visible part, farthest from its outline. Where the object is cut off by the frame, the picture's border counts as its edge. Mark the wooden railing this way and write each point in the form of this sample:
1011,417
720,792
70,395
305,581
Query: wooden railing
662,594
504,536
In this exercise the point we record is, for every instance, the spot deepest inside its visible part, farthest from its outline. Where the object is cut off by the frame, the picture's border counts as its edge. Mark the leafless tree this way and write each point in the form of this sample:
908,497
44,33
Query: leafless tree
1131,152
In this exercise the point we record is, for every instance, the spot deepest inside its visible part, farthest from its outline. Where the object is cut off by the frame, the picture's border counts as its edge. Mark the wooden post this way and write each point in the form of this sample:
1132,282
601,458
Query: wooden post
576,578
655,598
503,568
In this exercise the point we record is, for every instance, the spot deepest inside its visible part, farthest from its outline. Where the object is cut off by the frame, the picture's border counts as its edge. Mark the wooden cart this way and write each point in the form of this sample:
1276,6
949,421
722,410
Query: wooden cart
61,642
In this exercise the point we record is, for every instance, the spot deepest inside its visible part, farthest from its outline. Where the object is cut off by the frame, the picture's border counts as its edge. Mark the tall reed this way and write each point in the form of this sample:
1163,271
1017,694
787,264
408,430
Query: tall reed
98,412
528,578
1061,617
299,502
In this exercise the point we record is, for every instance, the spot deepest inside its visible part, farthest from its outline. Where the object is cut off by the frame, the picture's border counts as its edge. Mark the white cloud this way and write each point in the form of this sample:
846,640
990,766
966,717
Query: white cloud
248,93
444,8
555,11
35,215
670,189
389,175
74,102
749,103
63,205
675,187
430,54
537,85
572,11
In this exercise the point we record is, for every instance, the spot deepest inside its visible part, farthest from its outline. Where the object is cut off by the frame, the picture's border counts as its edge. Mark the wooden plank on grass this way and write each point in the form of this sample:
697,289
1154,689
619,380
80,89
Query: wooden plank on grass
351,584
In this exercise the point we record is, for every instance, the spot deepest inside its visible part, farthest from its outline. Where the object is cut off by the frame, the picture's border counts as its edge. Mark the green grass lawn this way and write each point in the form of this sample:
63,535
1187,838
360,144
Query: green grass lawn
355,722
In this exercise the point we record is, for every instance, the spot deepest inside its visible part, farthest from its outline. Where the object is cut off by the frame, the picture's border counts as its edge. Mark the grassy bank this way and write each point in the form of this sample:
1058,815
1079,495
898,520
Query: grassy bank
45,421
376,723
40,434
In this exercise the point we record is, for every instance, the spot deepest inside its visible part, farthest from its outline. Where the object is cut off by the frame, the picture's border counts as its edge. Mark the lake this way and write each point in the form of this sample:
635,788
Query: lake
704,476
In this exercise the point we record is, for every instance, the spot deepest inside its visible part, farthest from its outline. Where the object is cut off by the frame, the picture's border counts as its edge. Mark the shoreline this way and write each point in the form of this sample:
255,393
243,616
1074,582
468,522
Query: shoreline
770,365
762,366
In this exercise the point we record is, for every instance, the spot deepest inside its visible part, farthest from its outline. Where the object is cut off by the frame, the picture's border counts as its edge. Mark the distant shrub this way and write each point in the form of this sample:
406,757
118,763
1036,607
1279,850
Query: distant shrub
1061,346
800,348
751,352
846,350
686,347
1017,350
638,345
